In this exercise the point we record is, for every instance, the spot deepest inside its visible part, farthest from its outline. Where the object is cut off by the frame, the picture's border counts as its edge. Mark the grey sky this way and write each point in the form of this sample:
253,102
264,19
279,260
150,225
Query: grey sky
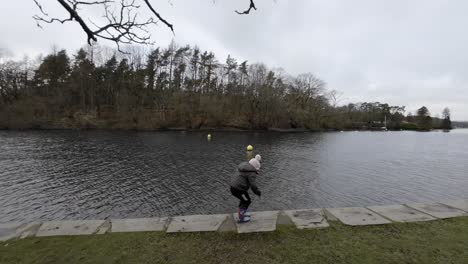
410,53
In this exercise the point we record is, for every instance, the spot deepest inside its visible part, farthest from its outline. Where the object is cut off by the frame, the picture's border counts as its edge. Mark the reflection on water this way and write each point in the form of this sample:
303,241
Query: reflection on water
99,174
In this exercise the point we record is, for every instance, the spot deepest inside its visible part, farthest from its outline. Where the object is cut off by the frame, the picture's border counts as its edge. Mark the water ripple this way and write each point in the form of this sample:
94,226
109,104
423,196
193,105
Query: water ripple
48,175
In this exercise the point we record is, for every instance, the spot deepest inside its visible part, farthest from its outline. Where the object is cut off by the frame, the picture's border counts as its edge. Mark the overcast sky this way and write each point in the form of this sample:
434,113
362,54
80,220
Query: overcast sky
404,52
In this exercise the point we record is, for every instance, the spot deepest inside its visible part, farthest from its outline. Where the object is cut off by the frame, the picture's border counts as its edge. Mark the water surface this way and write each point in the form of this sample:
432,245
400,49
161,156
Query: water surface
48,175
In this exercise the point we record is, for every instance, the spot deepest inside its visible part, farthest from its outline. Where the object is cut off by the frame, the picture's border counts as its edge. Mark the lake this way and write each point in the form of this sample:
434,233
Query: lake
58,175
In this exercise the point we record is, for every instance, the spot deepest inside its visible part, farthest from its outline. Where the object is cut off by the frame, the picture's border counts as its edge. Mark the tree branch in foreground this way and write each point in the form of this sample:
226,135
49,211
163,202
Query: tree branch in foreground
122,23
246,12
158,16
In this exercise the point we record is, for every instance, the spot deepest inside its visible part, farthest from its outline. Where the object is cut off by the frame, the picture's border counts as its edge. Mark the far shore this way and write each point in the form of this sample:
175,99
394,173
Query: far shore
212,129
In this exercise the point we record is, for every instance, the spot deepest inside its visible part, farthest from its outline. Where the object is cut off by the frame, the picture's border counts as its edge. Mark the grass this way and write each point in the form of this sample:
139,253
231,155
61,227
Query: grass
443,241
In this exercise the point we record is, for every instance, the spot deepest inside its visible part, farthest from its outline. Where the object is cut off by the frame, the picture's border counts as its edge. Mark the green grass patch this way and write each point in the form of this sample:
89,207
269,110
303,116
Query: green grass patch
443,241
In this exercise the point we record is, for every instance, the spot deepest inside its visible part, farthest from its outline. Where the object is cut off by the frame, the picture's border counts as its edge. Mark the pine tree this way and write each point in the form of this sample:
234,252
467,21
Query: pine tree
424,119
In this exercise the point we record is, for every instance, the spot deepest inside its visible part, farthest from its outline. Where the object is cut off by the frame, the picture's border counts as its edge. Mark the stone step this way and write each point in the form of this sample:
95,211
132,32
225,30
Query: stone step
438,210
139,224
196,223
459,204
17,230
307,218
401,213
72,228
8,231
28,230
356,216
260,222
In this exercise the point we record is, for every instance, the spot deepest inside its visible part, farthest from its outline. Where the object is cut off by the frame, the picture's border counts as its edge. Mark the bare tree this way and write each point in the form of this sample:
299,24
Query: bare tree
123,23
335,97
446,113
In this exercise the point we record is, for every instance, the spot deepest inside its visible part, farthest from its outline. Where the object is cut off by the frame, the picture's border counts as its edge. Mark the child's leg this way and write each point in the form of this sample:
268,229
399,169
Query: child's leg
244,202
238,194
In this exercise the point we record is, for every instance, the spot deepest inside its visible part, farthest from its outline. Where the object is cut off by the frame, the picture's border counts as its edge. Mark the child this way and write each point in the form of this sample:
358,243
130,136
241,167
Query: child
241,182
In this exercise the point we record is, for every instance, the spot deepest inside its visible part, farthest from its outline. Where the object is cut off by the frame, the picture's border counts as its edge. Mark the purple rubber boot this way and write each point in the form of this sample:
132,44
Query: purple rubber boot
243,218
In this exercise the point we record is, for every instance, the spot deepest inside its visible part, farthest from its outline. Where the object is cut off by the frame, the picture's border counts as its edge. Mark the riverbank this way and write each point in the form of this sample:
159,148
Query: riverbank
441,241
201,129
173,129
414,232
141,119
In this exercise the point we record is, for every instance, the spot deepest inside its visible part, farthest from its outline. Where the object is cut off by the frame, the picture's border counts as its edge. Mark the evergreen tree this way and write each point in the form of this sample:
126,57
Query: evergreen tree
424,119
82,80
53,72
181,86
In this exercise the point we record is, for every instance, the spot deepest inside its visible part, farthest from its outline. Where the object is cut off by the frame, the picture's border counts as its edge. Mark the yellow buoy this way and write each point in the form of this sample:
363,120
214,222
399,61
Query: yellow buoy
209,136
249,148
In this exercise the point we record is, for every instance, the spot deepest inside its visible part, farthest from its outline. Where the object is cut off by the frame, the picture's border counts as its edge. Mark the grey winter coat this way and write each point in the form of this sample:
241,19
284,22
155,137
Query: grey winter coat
245,178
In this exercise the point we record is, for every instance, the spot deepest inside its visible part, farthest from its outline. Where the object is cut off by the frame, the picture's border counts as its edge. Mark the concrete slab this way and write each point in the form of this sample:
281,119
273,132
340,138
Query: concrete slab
307,218
437,210
356,216
228,225
28,230
401,213
16,230
283,219
104,228
329,216
261,222
8,231
196,223
70,228
459,204
139,225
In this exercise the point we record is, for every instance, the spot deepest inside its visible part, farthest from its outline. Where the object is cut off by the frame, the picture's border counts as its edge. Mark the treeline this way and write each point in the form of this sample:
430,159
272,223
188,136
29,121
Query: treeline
176,87
460,124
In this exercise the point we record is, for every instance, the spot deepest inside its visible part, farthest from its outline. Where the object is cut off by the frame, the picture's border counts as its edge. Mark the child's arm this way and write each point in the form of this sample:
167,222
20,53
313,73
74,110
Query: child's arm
253,184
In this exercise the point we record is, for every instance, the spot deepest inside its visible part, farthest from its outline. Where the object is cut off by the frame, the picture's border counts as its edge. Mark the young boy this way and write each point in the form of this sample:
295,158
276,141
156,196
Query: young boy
243,180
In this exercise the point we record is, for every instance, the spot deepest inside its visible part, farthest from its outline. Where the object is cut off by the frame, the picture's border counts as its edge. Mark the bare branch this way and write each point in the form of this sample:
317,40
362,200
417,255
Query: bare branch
76,3
123,27
40,8
122,23
246,12
158,16
51,20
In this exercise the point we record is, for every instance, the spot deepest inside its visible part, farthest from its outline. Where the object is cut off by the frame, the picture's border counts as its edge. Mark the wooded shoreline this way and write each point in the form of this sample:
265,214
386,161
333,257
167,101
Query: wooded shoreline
182,87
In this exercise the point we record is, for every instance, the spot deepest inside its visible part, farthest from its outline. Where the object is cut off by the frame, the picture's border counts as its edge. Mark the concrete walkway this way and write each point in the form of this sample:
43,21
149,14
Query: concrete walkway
261,221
